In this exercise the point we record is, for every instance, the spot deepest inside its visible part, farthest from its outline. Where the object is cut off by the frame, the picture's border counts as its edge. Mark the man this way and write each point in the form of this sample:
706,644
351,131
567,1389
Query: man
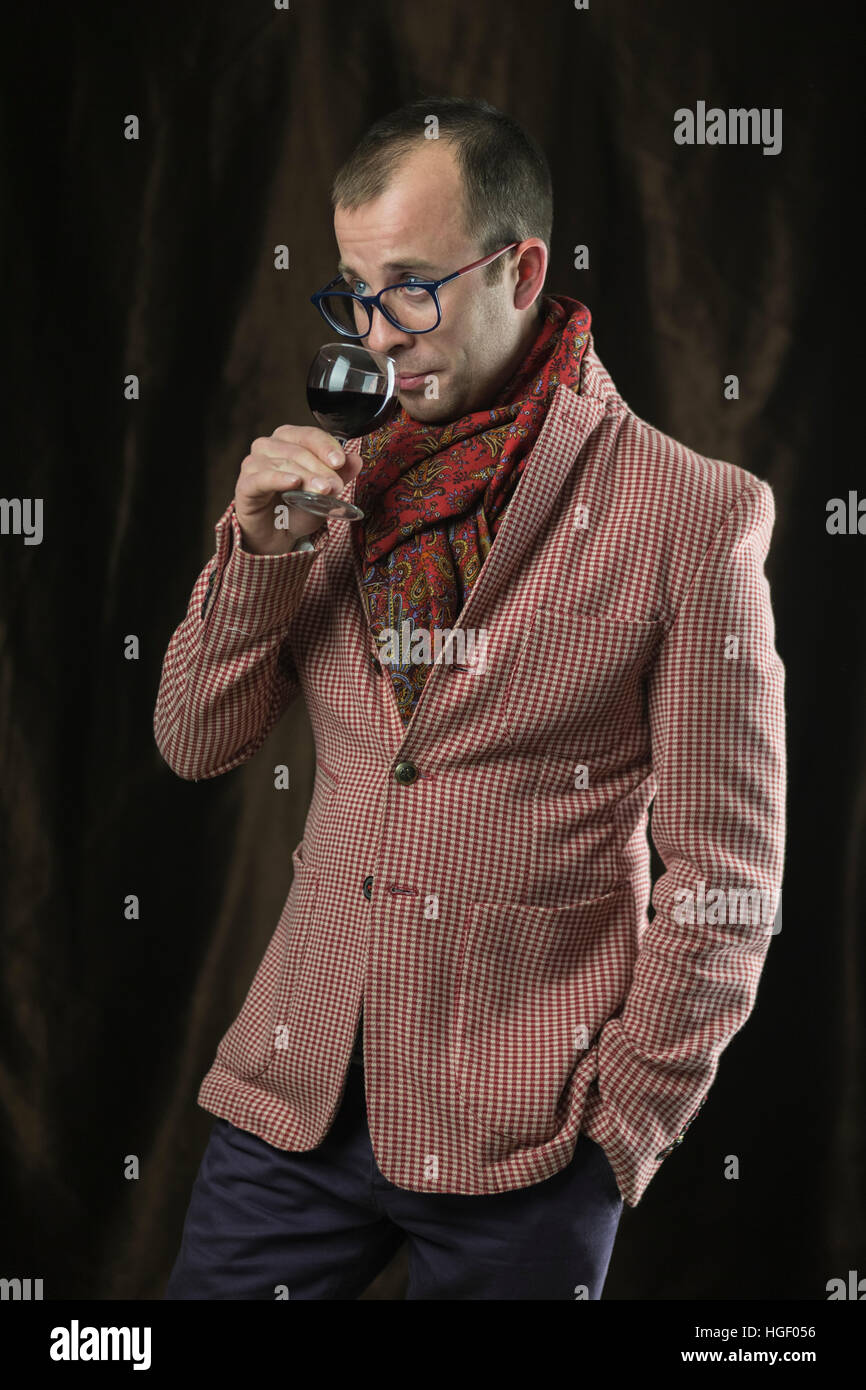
470,898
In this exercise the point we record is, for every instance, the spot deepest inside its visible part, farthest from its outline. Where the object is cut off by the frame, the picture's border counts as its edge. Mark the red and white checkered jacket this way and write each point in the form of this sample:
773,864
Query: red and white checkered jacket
480,879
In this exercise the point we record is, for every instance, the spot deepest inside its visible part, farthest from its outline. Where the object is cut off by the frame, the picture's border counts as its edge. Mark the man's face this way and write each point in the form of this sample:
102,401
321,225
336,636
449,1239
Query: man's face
416,228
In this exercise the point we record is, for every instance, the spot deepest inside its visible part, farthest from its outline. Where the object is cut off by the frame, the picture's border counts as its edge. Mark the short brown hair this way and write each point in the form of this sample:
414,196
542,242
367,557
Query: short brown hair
507,188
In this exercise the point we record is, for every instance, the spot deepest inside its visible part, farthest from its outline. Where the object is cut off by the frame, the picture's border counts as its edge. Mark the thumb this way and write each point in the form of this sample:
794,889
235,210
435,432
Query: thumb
352,467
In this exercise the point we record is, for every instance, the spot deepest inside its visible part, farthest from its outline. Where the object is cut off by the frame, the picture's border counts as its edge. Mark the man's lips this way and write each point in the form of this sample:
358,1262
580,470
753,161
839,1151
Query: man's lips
409,379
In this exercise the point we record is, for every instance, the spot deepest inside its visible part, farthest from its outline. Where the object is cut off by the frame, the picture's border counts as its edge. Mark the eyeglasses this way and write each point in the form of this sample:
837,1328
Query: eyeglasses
412,307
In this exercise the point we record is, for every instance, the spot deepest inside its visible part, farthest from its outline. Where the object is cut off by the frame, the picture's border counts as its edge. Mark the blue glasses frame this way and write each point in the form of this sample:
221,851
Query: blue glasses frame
373,301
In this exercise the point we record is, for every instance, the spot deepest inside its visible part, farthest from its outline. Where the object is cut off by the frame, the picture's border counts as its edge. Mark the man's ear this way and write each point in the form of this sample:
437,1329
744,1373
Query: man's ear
531,270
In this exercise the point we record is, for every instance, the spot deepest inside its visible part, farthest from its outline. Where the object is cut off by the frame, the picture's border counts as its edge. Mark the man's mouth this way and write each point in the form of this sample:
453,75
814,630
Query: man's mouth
407,381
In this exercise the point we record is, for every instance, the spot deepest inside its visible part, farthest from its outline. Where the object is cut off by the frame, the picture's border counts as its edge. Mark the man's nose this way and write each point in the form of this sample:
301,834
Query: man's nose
383,336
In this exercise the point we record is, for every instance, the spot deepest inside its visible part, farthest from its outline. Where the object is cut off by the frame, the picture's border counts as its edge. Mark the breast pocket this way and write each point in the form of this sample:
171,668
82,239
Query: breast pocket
579,682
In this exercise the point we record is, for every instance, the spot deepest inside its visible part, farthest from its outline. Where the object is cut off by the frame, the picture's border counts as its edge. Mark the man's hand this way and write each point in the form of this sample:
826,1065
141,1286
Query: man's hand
294,456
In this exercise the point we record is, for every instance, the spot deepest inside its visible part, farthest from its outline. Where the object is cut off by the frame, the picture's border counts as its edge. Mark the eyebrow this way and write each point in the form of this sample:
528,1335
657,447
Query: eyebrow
391,267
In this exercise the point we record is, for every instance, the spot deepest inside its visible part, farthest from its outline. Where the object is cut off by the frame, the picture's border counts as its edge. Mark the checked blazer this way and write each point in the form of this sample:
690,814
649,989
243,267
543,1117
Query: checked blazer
479,880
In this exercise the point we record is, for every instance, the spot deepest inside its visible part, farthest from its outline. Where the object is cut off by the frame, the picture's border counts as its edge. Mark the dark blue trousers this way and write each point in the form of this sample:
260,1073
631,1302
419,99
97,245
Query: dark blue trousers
324,1223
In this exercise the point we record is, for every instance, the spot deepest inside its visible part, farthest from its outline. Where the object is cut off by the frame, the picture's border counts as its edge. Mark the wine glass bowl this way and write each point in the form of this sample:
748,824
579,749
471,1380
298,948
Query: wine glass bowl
351,391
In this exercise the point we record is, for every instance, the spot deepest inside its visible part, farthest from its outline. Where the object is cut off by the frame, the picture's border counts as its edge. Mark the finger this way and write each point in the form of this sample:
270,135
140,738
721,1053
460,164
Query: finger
294,457
318,441
267,480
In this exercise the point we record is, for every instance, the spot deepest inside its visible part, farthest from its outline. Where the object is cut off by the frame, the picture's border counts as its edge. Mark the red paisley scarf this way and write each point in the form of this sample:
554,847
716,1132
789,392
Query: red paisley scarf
434,496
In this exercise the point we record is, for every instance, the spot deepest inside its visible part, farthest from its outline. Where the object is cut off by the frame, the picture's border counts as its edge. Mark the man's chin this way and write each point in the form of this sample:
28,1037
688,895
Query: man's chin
427,412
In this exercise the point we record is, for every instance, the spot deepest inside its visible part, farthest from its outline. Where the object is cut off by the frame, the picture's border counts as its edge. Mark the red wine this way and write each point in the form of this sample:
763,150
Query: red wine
351,413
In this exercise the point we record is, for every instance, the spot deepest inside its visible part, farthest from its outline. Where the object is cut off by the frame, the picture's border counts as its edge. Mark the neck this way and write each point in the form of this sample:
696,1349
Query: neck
528,334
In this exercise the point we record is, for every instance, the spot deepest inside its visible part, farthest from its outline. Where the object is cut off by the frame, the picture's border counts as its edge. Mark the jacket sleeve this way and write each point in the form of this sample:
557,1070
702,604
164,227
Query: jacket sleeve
227,676
717,721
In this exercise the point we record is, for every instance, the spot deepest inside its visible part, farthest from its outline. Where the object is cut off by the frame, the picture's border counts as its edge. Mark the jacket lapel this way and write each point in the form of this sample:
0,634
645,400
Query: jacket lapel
567,426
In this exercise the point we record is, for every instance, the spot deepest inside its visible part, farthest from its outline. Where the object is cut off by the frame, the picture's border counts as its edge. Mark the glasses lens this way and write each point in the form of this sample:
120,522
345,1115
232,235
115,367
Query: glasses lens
412,308
345,313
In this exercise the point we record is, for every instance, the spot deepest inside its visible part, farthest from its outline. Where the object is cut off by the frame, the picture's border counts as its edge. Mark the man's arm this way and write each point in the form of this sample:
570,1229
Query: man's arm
227,676
717,719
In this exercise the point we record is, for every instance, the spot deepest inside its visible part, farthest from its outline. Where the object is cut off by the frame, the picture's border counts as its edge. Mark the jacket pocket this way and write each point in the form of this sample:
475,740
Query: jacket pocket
579,680
247,1048
534,986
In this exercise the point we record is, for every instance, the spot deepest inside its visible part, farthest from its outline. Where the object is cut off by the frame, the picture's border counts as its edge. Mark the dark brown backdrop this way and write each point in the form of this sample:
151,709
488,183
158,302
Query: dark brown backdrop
155,257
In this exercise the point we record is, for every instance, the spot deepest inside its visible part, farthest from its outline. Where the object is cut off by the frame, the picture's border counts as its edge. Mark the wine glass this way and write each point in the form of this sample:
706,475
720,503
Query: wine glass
351,390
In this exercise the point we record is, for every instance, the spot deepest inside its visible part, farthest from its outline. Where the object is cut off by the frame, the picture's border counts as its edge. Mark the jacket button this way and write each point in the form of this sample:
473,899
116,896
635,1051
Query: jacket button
368,887
405,773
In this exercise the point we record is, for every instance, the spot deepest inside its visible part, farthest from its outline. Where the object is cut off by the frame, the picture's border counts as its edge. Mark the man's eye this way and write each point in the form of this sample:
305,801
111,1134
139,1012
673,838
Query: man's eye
408,284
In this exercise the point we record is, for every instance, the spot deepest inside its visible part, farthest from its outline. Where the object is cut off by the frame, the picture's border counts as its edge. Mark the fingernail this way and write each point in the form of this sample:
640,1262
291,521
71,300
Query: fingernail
335,458
318,484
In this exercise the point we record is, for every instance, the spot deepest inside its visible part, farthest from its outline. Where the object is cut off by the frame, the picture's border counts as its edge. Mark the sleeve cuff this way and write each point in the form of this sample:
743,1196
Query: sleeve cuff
262,591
